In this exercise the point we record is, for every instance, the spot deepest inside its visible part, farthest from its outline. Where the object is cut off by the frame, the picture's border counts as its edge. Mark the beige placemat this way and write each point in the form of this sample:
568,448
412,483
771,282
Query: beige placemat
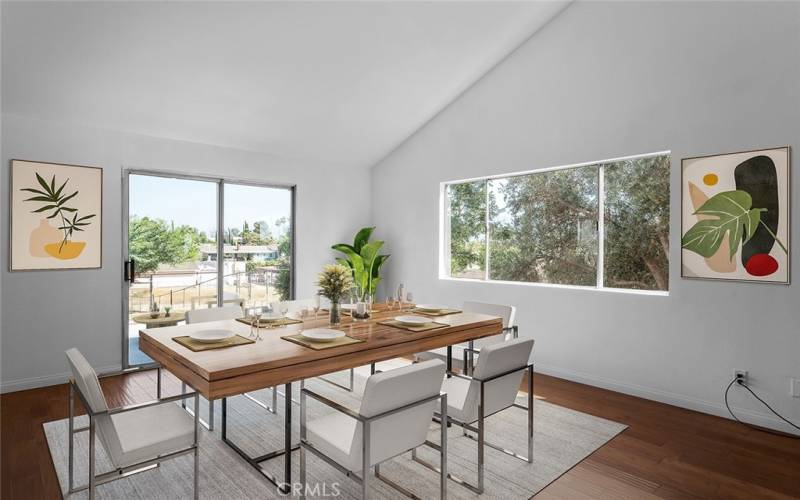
440,312
196,346
265,323
424,328
318,346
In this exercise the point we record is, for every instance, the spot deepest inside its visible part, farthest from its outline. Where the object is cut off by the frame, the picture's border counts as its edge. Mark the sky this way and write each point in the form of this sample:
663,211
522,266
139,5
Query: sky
194,203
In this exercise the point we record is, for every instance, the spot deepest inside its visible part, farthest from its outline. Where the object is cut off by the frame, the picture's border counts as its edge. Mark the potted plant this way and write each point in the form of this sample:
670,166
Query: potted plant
364,262
334,282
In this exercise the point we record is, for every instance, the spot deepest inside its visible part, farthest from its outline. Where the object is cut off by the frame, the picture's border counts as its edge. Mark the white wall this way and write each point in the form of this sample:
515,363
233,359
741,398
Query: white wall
45,313
605,80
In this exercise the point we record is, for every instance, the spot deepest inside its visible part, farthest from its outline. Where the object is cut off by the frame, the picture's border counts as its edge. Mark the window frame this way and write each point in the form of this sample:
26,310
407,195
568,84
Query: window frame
445,272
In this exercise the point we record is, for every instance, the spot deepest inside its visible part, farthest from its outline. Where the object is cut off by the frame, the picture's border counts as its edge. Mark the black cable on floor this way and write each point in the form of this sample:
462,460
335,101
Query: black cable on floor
765,404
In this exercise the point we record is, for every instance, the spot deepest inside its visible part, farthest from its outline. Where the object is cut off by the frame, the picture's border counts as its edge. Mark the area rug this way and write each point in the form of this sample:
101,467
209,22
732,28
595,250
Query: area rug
562,438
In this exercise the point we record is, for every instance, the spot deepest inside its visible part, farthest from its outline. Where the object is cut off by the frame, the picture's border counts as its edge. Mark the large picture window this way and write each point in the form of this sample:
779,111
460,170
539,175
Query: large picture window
603,225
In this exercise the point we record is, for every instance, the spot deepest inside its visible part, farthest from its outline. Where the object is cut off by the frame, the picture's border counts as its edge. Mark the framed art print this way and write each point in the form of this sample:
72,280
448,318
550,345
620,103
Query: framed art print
56,216
735,211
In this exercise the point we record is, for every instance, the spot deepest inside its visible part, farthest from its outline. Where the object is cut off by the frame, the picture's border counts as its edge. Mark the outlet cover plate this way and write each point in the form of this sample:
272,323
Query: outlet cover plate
795,387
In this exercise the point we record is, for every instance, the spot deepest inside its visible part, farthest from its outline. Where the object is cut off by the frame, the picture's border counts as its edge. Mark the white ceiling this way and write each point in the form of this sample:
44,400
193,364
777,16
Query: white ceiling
335,82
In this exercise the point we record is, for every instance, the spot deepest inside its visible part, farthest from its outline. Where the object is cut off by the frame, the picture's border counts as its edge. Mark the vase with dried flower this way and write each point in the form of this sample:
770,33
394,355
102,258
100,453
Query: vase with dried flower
334,282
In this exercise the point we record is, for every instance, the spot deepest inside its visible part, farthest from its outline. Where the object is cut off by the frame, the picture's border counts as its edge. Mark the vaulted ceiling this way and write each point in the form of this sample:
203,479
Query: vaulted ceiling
332,81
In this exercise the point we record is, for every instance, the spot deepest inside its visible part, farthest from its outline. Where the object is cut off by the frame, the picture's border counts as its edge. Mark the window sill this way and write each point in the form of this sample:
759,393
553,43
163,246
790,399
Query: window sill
657,293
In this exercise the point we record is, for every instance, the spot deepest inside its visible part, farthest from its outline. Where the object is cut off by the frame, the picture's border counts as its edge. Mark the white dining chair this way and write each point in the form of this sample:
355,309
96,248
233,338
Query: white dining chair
493,388
203,316
394,417
136,437
465,354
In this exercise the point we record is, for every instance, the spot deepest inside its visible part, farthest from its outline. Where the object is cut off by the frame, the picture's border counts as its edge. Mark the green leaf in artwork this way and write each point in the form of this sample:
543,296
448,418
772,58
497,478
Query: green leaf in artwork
43,183
734,216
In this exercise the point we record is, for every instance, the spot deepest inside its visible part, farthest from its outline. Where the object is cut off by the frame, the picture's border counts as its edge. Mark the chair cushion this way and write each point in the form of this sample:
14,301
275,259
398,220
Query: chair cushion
457,390
149,432
334,435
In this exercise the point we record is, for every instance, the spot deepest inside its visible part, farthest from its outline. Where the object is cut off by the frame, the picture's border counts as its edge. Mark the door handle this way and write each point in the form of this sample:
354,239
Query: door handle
129,267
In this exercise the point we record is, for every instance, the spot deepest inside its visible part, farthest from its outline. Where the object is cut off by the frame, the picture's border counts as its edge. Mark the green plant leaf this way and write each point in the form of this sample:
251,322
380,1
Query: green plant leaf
53,184
86,217
39,198
58,192
43,183
44,208
362,237
67,198
36,191
735,217
67,209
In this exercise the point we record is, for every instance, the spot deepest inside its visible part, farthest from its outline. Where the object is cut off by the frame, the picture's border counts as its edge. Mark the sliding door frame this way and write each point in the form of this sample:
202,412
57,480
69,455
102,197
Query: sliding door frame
220,182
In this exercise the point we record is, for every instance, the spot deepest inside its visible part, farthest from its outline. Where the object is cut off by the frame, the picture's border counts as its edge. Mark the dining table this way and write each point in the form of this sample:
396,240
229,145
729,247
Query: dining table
273,361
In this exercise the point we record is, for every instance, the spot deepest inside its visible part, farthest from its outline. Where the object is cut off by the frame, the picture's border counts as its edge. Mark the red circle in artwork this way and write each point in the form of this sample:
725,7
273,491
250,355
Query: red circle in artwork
761,264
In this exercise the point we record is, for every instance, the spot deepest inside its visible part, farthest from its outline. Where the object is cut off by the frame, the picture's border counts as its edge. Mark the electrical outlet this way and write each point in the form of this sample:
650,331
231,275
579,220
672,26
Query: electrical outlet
740,376
795,387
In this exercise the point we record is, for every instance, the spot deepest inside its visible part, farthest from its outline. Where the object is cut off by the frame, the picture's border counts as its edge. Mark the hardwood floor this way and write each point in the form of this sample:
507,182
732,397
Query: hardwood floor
666,452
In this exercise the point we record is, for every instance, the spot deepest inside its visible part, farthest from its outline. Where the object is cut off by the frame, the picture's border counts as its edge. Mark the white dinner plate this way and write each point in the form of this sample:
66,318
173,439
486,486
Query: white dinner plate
322,334
411,320
430,307
213,335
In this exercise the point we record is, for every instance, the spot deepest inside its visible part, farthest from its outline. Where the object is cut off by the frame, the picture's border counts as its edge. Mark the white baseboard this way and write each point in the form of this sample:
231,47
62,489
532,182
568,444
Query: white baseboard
44,381
670,398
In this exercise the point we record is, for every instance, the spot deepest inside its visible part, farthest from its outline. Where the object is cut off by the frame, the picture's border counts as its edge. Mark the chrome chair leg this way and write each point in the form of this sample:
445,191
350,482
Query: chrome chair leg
71,483
303,435
92,479
443,450
530,414
481,429
196,449
365,460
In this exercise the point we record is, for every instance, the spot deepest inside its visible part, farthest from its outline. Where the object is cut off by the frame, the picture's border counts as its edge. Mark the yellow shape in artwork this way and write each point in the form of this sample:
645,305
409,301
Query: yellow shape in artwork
69,250
710,179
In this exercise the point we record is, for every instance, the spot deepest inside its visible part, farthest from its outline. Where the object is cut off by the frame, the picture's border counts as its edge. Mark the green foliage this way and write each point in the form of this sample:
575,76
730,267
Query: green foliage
153,242
543,226
734,216
363,260
467,214
54,200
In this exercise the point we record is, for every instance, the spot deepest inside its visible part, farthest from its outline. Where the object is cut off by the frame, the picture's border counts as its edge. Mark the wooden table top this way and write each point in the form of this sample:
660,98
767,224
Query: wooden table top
272,361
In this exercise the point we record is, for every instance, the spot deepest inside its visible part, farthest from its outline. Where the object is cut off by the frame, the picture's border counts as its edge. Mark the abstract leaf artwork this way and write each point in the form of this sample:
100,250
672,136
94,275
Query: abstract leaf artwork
56,221
735,216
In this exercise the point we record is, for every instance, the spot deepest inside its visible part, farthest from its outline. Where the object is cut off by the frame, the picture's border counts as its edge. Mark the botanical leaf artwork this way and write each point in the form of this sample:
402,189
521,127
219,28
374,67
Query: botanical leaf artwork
734,215
53,203
737,222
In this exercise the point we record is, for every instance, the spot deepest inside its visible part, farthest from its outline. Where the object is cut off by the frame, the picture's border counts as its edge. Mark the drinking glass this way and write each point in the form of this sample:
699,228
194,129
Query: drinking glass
316,305
257,311
284,308
390,302
409,298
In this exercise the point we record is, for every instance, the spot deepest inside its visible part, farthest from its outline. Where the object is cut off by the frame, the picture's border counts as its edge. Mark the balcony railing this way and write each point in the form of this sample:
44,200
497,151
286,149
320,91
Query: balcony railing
247,286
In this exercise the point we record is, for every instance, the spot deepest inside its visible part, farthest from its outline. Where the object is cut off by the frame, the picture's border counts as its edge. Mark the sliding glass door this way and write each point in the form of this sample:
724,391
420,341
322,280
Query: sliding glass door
177,228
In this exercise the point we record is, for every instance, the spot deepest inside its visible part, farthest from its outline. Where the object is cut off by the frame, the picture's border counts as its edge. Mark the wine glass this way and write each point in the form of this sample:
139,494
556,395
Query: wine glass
256,316
316,304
